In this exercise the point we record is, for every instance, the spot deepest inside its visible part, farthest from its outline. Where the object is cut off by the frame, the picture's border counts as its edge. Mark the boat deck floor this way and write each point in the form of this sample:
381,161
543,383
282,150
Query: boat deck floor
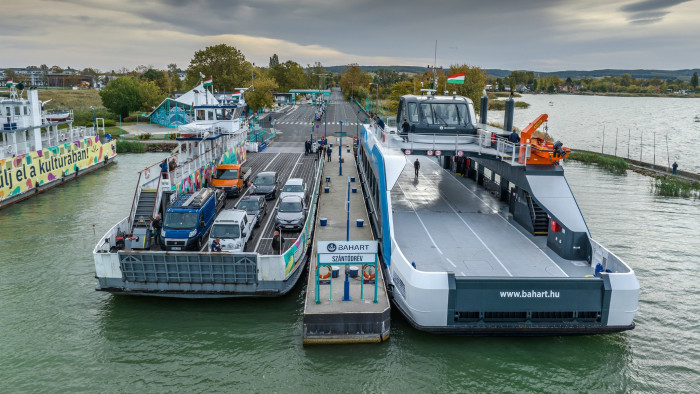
444,224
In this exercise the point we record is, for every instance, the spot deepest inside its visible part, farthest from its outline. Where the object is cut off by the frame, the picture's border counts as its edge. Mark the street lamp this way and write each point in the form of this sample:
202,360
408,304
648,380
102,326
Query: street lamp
252,76
376,109
94,126
351,91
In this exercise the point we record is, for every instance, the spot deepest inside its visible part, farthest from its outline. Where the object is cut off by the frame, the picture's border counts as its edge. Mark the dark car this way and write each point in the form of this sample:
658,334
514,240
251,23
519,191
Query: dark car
291,213
253,205
266,184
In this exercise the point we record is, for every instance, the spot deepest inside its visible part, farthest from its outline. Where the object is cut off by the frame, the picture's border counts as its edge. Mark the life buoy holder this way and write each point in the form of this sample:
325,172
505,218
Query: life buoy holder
368,271
325,275
147,173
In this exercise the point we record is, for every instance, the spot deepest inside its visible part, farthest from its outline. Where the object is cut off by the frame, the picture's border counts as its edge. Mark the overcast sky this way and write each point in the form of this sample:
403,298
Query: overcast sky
541,35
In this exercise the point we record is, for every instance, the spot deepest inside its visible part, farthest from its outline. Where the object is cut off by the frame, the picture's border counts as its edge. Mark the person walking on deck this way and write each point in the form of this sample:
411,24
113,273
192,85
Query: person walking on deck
277,242
416,166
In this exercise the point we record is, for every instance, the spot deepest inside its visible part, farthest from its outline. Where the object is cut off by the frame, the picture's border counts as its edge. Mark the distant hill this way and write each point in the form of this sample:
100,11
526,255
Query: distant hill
574,74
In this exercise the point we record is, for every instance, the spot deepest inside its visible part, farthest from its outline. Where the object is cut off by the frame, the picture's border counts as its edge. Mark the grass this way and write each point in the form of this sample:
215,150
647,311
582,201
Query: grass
672,186
500,105
130,147
611,163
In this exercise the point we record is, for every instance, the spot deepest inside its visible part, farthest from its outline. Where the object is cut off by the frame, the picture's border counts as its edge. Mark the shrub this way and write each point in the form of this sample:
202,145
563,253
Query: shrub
672,186
130,146
611,163
144,136
133,119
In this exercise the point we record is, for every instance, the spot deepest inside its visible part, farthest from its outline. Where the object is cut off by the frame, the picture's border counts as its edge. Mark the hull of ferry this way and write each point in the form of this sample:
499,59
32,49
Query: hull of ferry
28,175
442,303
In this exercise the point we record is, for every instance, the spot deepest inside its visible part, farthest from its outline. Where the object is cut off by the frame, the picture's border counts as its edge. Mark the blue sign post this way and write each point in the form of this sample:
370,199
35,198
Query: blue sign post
340,151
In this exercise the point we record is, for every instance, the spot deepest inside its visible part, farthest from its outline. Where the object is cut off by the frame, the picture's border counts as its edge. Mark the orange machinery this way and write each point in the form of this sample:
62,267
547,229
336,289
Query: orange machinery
541,150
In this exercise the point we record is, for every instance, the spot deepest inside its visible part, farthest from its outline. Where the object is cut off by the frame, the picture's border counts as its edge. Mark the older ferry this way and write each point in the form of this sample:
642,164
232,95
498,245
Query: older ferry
40,150
486,237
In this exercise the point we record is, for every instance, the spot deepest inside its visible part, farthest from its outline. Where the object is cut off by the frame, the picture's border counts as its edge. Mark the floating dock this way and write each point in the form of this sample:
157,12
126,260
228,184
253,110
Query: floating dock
327,318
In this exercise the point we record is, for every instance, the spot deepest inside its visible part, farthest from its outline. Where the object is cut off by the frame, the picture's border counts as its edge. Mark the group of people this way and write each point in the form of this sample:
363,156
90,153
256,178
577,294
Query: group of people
308,147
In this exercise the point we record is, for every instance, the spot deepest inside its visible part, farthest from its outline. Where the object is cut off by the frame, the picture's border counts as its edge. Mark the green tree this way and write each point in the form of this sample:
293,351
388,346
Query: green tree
288,75
274,60
261,96
150,95
224,63
474,82
352,79
174,75
121,96
694,80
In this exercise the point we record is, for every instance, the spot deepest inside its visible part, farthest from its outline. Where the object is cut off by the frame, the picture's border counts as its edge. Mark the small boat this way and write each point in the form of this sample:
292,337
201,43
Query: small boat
551,103
59,116
697,118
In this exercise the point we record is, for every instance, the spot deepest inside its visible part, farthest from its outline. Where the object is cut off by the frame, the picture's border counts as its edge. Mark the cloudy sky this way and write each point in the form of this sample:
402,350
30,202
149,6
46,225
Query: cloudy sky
541,35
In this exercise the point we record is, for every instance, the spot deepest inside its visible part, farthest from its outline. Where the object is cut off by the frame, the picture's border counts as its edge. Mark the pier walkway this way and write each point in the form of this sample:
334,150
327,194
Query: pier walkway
337,321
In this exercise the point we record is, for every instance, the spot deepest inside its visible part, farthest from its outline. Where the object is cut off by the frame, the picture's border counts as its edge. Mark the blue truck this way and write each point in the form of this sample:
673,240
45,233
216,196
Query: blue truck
188,220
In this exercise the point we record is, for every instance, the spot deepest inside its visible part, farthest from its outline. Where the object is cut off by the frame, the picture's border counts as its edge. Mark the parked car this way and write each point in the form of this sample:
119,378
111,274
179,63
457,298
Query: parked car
294,187
266,184
291,213
231,178
253,205
234,228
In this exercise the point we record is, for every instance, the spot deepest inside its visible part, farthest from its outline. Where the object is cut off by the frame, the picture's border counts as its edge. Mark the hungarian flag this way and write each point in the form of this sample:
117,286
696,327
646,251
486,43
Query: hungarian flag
236,95
208,82
9,82
456,78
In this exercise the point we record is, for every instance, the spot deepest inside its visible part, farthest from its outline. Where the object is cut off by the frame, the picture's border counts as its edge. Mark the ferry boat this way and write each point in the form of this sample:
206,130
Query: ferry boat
126,262
486,238
40,150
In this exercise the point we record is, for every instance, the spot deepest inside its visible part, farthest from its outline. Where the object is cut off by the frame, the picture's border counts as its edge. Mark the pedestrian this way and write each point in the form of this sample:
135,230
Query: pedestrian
157,226
405,128
329,152
307,146
216,245
164,166
380,122
514,137
416,166
675,168
252,188
319,150
277,242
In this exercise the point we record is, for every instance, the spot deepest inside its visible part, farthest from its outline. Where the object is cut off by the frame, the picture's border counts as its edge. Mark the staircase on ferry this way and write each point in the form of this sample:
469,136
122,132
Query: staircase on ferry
145,207
540,219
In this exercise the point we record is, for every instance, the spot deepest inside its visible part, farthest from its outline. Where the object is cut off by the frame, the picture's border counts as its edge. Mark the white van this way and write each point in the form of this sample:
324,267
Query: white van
294,187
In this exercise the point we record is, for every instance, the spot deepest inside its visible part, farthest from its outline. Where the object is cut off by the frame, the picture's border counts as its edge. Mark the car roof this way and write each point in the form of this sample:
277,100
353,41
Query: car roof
295,181
289,197
267,173
230,215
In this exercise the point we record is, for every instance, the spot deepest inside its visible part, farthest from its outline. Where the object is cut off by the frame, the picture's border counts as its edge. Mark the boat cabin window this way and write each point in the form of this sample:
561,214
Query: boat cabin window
17,111
445,114
200,114
412,112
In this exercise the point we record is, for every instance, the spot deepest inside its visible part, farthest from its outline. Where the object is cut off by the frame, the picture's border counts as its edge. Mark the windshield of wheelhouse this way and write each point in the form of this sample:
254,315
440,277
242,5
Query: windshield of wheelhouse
445,114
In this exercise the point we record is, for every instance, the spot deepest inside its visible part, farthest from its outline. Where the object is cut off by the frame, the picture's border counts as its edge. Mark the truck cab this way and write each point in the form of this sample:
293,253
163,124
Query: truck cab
188,220
231,178
234,228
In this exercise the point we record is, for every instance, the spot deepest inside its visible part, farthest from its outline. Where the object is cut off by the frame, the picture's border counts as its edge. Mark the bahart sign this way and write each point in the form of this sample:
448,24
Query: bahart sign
347,251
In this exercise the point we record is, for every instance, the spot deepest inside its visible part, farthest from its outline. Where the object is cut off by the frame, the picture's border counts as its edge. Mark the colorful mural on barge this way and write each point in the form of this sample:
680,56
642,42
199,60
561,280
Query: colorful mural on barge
194,181
25,172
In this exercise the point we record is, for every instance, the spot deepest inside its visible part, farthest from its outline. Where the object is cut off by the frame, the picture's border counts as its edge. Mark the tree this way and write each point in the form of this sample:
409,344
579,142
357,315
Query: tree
121,96
474,82
694,80
261,95
352,79
174,74
224,63
274,60
288,75
150,95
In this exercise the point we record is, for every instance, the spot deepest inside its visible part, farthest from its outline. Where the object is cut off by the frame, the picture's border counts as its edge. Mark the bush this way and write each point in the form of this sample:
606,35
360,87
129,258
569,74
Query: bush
611,163
133,119
144,136
672,186
130,146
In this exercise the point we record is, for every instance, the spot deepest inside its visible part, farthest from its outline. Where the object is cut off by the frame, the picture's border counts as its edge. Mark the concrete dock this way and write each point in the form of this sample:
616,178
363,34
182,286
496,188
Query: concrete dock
336,321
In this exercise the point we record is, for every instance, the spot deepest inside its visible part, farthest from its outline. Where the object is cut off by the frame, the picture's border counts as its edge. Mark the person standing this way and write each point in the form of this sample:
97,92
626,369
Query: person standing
405,128
514,137
277,242
216,245
675,168
329,152
157,226
416,166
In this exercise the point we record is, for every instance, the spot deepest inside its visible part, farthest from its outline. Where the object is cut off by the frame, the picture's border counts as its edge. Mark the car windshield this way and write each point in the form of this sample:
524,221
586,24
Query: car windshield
226,174
290,206
180,220
248,205
227,231
293,188
264,180
446,114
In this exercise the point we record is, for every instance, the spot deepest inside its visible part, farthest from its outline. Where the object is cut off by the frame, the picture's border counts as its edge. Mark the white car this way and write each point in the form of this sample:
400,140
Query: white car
294,187
234,228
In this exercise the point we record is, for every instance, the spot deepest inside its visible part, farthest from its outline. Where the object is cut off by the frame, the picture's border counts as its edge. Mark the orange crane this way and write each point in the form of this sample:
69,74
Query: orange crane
542,152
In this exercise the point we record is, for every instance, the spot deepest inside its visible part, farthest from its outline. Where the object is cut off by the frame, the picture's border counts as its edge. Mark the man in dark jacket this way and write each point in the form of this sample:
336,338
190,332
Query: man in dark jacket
380,122
416,166
514,137
277,242
157,226
405,128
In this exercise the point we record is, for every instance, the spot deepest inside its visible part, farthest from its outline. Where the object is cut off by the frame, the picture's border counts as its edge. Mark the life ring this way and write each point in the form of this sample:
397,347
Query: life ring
368,271
147,173
327,275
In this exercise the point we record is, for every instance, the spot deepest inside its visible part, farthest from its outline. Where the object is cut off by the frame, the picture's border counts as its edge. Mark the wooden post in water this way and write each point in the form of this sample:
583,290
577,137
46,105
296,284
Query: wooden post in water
602,148
629,135
616,131
668,155
640,144
655,148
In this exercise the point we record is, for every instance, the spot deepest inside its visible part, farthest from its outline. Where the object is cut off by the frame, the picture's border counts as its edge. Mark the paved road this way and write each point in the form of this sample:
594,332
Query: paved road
295,124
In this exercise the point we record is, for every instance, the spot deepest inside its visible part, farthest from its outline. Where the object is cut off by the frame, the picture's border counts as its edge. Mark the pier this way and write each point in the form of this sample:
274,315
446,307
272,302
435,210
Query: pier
328,319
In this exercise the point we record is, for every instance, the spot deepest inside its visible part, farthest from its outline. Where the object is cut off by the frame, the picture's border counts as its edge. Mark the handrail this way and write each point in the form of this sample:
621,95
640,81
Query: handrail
132,214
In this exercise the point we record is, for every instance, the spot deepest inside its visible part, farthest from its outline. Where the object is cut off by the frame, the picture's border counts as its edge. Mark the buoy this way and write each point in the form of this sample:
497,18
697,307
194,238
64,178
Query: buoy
324,275
368,271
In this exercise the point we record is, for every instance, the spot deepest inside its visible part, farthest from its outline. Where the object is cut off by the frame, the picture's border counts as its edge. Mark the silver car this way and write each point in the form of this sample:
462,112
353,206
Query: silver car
291,213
